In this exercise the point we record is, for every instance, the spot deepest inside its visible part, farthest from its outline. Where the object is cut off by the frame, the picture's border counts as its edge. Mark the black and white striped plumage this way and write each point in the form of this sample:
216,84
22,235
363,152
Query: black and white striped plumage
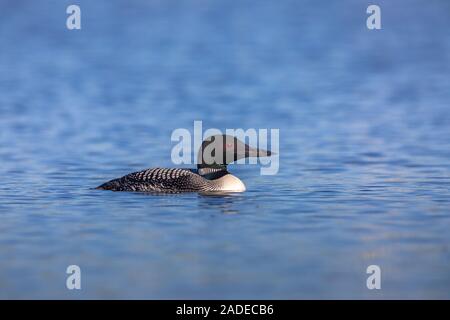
161,180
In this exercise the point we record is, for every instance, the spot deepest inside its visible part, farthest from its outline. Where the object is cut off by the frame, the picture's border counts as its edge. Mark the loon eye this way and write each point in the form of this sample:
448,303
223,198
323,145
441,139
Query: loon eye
229,145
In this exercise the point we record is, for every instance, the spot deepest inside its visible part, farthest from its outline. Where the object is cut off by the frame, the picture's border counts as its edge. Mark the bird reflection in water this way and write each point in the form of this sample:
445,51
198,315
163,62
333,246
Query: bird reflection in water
227,203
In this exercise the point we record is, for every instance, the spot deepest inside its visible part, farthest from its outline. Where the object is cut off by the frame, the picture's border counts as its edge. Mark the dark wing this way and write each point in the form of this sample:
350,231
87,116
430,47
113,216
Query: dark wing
158,180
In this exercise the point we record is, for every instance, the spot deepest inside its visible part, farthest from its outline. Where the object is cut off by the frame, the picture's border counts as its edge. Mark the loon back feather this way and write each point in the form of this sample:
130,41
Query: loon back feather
172,181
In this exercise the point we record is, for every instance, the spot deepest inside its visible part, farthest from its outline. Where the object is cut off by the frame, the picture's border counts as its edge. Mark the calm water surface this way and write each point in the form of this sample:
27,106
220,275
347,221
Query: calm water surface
364,158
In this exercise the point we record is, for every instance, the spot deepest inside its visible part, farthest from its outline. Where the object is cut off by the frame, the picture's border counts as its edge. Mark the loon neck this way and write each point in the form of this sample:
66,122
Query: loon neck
220,178
212,173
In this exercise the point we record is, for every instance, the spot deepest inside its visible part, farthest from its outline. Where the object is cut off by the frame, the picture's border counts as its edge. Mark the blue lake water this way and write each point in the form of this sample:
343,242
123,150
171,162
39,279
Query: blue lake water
364,119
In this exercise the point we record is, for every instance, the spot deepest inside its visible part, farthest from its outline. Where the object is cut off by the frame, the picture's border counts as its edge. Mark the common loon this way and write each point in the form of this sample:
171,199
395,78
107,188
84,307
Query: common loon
211,175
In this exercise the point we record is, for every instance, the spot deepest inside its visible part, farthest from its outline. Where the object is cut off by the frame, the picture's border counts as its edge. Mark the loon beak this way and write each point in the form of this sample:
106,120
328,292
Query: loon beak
255,152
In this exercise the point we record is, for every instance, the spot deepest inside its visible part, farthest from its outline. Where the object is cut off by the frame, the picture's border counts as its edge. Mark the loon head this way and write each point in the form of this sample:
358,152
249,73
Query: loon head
218,151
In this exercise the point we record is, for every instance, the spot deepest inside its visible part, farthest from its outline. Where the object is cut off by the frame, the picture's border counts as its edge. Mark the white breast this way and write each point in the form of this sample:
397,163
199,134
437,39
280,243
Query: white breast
229,183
